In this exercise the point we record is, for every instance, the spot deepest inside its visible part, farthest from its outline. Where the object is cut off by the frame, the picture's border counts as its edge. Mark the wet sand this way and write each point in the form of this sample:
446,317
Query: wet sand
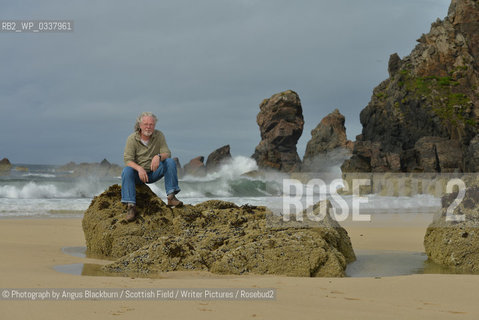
31,249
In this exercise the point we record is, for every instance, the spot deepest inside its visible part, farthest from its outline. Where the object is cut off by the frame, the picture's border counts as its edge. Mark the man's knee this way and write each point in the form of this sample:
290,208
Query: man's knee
170,163
128,172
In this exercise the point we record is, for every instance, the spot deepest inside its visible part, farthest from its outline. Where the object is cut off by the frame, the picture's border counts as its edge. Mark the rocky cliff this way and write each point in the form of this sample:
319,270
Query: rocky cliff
281,123
215,236
424,116
329,145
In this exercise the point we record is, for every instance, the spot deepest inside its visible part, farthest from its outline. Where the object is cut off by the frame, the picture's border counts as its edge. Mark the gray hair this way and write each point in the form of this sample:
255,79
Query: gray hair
141,116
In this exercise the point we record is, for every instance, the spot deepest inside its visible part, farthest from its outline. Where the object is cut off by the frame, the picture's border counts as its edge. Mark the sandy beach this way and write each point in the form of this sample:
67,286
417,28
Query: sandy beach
31,249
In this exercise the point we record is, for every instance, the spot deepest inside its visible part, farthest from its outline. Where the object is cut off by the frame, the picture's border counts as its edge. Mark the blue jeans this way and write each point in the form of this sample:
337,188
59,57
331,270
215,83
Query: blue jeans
130,178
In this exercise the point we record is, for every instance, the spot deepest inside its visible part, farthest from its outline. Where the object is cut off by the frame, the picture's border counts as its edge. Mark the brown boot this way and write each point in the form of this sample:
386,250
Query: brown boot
131,212
173,202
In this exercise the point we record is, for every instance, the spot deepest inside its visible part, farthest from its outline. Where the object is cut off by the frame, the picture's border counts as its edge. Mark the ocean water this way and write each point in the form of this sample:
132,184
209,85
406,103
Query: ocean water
42,191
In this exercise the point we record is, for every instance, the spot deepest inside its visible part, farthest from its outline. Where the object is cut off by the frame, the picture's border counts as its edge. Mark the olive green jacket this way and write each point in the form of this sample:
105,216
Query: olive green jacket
142,155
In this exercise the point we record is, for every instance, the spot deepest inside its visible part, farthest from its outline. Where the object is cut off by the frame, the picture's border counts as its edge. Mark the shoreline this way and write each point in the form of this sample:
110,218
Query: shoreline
31,248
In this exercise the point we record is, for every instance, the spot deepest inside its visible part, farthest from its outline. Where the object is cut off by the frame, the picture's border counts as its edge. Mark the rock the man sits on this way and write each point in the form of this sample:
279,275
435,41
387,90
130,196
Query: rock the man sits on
147,159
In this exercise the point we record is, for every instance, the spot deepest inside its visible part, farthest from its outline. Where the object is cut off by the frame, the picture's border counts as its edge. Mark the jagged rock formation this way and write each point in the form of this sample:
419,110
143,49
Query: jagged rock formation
329,145
281,123
217,157
214,236
195,167
456,244
102,169
432,93
5,166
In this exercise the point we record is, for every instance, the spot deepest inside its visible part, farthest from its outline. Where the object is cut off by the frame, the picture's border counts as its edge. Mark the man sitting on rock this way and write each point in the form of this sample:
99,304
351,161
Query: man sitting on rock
147,159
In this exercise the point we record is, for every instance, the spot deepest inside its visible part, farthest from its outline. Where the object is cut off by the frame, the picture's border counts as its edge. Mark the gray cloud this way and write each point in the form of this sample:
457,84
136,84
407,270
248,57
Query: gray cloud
202,66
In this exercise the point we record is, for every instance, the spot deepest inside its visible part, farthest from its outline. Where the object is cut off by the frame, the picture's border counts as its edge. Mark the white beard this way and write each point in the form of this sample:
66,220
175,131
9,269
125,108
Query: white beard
147,133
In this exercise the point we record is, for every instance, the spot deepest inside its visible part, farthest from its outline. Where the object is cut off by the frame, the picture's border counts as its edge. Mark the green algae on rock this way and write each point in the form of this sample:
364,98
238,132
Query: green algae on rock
107,233
215,236
430,94
455,244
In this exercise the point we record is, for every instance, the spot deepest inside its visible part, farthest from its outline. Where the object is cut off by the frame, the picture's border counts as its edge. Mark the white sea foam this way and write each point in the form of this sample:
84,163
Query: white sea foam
230,170
53,190
227,181
41,195
30,191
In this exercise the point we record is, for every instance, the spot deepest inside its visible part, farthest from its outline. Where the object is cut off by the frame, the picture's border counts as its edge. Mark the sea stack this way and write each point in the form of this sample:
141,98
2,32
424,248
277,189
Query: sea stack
423,118
281,122
195,167
329,145
217,158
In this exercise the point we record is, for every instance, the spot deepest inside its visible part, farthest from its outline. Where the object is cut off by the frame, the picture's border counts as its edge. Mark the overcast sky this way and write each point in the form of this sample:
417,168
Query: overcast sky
202,66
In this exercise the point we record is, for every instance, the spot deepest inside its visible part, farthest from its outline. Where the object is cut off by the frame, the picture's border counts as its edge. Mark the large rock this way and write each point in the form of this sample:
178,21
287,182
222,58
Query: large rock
329,145
433,92
456,244
106,231
214,236
195,167
369,156
281,123
5,166
218,157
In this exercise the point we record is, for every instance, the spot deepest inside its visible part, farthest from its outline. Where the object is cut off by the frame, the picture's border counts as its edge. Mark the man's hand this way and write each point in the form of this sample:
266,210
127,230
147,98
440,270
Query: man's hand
155,163
141,172
143,175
